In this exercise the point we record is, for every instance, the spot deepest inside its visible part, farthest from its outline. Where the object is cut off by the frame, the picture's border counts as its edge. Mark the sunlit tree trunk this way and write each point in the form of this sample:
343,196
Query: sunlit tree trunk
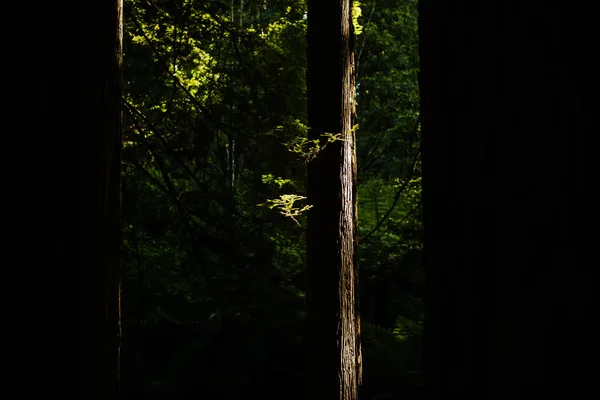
504,120
333,337
99,102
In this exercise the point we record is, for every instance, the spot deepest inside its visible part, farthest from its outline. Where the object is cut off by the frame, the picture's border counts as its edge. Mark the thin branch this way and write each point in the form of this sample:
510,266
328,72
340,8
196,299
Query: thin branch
396,197
372,157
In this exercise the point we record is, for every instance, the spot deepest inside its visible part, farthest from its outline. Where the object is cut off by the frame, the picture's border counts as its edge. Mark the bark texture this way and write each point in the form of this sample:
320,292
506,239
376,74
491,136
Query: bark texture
503,85
333,323
99,102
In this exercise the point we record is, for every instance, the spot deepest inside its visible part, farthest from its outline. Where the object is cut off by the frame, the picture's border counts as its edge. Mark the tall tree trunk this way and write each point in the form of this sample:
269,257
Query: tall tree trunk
502,84
99,101
333,323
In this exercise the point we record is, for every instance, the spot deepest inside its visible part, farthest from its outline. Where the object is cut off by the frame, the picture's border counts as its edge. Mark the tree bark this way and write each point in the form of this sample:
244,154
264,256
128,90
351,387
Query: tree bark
333,323
98,235
504,121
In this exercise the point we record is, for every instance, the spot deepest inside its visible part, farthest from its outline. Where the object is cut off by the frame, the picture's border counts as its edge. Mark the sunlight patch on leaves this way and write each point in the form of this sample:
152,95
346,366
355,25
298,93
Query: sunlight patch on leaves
285,204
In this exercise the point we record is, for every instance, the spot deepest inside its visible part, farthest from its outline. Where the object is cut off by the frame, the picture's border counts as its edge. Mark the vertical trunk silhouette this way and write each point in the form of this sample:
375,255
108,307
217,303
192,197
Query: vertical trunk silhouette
99,102
333,322
502,85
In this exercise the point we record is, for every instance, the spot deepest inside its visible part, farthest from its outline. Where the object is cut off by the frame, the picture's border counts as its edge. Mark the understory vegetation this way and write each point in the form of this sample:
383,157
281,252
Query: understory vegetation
213,186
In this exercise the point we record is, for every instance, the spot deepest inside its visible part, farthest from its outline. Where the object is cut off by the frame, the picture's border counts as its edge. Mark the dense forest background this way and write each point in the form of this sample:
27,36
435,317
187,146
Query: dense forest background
213,256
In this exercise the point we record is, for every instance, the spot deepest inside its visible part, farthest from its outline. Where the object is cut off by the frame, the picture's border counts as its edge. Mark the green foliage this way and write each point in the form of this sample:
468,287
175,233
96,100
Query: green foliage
280,182
384,346
389,167
213,286
389,361
405,328
308,149
356,14
285,204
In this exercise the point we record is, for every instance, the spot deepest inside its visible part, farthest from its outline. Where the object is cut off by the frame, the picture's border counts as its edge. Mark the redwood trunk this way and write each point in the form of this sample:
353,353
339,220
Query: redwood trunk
333,342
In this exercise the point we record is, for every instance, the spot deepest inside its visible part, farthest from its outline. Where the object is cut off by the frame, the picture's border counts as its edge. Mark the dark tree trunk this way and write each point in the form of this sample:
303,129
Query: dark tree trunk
333,338
99,102
502,88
